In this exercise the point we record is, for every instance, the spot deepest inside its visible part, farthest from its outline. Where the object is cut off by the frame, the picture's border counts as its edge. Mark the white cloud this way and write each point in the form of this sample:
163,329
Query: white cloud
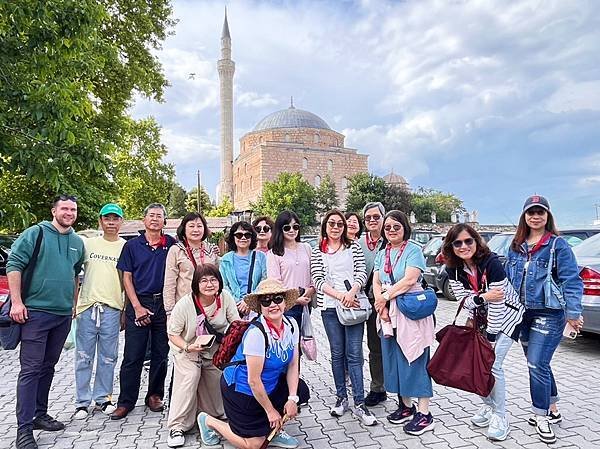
255,100
185,148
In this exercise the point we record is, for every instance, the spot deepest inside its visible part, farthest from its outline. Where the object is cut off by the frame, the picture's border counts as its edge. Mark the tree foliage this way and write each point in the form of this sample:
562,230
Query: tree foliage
424,201
364,188
222,210
290,191
176,206
68,73
326,196
397,198
191,201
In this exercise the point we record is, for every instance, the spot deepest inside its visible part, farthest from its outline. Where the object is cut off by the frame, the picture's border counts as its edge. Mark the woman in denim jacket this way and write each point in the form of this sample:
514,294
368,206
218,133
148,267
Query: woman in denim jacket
543,270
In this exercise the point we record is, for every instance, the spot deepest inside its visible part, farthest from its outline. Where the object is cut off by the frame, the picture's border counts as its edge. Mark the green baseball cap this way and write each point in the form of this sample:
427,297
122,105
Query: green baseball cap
111,208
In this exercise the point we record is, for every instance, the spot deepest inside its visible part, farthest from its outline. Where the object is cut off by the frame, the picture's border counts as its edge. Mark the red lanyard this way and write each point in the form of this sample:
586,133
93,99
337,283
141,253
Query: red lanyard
539,244
199,305
190,255
475,282
389,267
371,244
277,333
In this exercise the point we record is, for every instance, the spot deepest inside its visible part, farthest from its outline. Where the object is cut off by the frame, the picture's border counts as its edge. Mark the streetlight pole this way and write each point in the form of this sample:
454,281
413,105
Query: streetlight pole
198,197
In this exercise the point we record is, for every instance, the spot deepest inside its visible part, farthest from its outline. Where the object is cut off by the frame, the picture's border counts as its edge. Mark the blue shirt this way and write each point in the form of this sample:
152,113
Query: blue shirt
411,257
145,263
241,265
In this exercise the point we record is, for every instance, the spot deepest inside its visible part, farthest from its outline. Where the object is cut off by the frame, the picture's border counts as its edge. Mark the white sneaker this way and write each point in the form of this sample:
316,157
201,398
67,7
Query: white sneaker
363,414
107,408
340,407
498,429
482,417
81,413
543,429
175,438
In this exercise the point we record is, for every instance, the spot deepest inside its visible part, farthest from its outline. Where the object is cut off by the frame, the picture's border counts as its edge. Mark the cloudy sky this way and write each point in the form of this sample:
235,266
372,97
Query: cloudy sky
492,101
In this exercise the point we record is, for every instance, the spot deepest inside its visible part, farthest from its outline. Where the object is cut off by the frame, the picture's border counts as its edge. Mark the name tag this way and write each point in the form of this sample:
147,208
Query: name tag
421,297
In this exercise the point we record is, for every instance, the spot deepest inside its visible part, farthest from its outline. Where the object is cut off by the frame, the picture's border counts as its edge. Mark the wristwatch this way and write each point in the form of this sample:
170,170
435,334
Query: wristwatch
295,399
186,348
386,296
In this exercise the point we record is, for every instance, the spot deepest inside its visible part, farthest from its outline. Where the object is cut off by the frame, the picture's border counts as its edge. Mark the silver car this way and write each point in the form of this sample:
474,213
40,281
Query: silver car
588,259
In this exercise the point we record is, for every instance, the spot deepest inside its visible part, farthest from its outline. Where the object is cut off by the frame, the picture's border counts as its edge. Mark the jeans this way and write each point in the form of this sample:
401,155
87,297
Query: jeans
136,340
541,333
345,343
97,327
42,338
497,397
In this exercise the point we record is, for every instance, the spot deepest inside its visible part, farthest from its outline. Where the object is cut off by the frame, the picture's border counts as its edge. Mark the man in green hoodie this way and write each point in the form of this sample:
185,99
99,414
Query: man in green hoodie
44,312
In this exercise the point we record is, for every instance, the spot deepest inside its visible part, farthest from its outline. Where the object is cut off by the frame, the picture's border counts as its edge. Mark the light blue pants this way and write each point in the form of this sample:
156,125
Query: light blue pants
97,334
497,397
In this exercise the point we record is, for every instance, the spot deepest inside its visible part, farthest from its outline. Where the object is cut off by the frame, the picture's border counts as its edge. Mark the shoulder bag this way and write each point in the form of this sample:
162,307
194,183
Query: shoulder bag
416,305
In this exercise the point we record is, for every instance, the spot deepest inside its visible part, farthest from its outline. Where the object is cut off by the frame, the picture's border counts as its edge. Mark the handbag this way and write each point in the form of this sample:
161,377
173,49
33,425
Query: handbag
10,331
464,358
349,316
416,305
308,343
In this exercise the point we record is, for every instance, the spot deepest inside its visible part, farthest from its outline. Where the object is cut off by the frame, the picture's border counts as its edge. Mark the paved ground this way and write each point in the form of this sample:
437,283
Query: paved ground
576,366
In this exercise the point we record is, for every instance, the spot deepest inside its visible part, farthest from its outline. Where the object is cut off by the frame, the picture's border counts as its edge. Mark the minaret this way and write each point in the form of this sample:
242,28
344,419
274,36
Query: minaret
226,69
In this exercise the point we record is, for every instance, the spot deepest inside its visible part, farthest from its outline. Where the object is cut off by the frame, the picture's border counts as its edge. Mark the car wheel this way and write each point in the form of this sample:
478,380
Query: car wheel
448,291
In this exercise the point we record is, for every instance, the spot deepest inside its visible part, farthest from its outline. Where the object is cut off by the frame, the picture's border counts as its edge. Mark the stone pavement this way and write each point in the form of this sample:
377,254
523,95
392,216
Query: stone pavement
576,366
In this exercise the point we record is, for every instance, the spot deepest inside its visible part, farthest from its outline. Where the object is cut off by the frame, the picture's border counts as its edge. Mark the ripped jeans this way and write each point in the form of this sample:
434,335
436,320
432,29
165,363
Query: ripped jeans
97,335
541,332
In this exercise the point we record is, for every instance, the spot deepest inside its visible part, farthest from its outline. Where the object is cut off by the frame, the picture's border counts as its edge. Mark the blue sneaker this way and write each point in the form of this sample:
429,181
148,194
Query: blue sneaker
283,439
419,424
208,436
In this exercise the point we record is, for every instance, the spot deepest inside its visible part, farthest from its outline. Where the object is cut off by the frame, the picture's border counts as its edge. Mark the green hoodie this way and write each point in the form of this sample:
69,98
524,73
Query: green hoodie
59,261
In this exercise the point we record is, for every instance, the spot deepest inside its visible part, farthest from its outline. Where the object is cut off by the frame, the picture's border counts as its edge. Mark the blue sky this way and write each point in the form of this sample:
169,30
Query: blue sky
492,101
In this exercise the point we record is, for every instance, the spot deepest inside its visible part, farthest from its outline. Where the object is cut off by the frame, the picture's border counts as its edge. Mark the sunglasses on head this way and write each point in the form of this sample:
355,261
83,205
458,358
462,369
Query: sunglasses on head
535,211
266,302
64,197
243,235
261,229
335,224
392,227
459,243
372,218
288,227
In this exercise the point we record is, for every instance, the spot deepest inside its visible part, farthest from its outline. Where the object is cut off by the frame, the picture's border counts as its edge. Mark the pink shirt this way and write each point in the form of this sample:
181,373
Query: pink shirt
293,268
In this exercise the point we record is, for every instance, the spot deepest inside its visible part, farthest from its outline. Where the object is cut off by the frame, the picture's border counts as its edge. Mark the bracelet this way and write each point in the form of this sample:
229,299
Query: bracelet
386,296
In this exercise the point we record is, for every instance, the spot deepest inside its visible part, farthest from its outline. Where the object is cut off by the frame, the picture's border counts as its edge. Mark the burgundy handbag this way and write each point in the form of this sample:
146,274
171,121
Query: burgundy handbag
464,358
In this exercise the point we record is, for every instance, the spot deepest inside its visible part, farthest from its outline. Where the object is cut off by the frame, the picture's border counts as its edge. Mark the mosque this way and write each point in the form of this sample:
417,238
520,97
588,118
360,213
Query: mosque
292,140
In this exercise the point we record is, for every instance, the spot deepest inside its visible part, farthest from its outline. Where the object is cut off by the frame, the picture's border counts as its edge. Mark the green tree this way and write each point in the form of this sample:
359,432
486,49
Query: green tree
424,201
191,201
290,191
69,70
176,205
397,198
364,188
222,210
141,175
326,196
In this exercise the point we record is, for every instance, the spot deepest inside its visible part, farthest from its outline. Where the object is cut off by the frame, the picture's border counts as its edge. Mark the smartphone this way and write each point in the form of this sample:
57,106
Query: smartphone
205,341
570,332
347,284
301,291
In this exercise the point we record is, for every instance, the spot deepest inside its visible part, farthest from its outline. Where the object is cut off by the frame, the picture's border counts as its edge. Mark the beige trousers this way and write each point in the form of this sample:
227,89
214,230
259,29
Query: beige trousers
196,388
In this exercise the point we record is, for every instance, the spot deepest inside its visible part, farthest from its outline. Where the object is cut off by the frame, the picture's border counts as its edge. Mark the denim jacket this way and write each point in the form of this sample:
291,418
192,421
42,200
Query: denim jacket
567,276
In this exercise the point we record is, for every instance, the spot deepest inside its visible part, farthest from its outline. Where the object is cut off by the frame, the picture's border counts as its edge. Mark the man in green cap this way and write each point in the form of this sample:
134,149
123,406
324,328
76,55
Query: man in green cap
98,315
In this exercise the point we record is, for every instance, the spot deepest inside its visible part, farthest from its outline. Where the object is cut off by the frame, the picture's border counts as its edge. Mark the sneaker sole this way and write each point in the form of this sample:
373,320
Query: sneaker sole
481,424
176,444
422,431
531,421
547,441
501,438
400,421
336,414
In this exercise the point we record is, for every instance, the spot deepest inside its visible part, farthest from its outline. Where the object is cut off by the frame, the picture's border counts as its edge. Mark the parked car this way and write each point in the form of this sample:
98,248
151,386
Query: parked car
3,290
588,259
423,236
311,239
430,252
6,242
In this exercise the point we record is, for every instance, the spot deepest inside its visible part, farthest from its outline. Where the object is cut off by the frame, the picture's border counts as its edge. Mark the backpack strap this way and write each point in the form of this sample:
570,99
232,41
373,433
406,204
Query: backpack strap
257,323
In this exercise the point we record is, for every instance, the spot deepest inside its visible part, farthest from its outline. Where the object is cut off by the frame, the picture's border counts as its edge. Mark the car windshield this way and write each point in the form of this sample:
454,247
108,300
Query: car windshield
6,241
433,246
500,243
589,247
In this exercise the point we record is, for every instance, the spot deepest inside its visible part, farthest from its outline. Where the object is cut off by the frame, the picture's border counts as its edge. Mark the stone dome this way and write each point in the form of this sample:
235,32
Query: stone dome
393,178
291,118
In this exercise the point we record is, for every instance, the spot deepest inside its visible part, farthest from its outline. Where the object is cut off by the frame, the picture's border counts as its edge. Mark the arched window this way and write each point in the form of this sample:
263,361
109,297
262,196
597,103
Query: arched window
238,170
344,183
251,183
261,139
305,163
317,138
246,169
287,138
317,181
330,165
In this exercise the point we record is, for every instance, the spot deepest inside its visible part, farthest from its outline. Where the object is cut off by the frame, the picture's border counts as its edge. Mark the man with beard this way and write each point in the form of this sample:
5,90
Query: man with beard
142,262
43,305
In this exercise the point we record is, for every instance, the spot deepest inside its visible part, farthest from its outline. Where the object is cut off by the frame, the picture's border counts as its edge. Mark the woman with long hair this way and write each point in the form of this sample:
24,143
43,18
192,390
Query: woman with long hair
243,267
191,250
288,261
477,279
339,273
541,266
264,233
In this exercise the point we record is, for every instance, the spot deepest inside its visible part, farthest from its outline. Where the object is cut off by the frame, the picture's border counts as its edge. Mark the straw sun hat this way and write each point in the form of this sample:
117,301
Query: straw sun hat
271,287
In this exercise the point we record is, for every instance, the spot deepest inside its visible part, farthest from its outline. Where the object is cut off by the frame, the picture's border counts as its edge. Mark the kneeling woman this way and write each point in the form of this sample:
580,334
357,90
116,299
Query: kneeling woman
262,381
196,380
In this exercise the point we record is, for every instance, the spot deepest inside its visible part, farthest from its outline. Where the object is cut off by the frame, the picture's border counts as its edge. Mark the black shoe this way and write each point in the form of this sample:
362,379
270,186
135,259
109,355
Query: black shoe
47,422
375,397
25,440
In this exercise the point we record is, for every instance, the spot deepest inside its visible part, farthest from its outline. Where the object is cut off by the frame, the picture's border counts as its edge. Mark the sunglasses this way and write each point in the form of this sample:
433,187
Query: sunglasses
261,229
288,228
535,211
335,224
64,197
459,243
372,218
243,235
266,302
392,227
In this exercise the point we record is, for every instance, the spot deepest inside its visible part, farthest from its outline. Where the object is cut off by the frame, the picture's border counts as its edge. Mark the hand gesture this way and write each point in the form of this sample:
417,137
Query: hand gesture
18,313
576,324
243,308
142,316
291,409
274,418
349,300
303,300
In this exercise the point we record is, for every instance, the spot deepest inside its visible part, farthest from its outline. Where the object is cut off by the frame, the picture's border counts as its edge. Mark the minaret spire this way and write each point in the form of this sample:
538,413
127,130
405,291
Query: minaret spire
292,102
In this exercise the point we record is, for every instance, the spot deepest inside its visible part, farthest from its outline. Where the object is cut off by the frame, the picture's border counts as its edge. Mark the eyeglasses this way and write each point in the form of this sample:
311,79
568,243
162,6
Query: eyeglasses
459,243
288,228
243,235
392,227
261,229
65,197
266,302
209,281
535,211
372,218
336,224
